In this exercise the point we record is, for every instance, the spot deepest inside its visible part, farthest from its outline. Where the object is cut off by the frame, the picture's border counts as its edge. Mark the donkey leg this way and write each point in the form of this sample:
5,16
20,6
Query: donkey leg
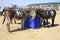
4,19
47,23
8,24
11,21
44,22
22,24
52,21
14,21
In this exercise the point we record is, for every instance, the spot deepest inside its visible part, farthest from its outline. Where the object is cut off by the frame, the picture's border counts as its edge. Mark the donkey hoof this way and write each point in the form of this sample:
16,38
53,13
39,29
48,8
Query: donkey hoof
52,24
10,31
44,26
47,27
23,28
2,23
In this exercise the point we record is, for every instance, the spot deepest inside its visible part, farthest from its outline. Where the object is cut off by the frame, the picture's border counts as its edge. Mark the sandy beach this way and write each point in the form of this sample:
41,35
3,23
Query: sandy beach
52,33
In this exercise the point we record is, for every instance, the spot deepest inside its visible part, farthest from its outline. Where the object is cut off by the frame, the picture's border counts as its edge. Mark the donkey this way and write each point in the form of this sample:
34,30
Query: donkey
45,15
11,14
19,13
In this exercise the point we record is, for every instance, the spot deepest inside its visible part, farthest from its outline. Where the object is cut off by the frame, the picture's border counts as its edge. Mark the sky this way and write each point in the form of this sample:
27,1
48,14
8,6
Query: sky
24,2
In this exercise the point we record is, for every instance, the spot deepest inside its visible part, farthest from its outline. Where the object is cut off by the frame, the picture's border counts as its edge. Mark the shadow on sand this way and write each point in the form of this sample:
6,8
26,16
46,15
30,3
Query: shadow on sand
38,27
48,26
19,29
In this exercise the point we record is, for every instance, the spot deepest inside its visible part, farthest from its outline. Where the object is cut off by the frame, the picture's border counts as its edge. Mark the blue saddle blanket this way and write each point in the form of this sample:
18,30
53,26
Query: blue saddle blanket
32,23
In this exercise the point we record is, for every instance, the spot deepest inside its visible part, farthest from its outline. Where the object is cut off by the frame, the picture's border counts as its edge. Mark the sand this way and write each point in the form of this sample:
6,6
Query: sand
52,33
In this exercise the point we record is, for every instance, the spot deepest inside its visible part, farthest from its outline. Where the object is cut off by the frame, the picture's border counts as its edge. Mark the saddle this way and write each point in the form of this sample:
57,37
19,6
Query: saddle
50,13
19,13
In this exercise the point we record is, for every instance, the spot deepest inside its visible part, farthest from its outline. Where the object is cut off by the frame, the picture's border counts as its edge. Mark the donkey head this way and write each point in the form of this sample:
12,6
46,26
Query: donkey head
33,13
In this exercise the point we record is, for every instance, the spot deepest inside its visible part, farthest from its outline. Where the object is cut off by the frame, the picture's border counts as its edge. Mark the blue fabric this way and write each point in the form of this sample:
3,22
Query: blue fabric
32,23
